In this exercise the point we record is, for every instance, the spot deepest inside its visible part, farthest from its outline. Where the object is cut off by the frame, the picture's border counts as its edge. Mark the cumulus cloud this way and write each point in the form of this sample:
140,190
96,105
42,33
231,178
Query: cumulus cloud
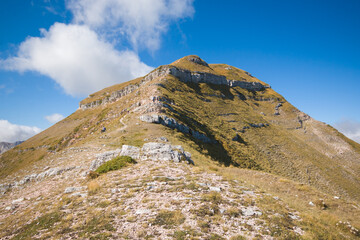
82,58
77,59
11,132
349,128
141,21
54,118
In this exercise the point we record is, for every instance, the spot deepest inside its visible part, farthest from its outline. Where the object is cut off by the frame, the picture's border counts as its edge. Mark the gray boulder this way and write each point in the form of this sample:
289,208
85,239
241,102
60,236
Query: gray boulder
161,151
103,157
130,151
150,118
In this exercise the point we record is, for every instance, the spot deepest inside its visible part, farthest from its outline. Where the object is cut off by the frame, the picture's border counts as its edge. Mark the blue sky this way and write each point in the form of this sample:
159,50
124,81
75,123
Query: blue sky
55,52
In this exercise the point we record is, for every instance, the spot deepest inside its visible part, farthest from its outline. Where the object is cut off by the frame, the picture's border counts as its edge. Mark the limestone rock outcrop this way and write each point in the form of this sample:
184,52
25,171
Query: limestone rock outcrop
173,124
151,150
184,76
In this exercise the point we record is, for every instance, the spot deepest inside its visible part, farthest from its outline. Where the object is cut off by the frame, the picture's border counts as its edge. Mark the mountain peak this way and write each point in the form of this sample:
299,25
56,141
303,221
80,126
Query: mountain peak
193,63
192,58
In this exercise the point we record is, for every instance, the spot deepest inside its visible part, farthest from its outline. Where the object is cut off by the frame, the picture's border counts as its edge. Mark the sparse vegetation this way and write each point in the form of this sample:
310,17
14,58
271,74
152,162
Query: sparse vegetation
169,218
44,222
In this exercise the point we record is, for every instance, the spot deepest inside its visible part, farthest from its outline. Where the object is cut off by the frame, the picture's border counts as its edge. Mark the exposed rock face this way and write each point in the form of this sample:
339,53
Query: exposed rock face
277,109
154,104
4,146
130,151
112,98
163,152
182,75
203,77
172,123
152,150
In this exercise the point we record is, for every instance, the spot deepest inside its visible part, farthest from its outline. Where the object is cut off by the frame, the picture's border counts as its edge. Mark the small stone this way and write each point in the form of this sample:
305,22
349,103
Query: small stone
164,139
251,212
150,187
249,193
143,211
293,216
72,189
17,201
311,203
215,189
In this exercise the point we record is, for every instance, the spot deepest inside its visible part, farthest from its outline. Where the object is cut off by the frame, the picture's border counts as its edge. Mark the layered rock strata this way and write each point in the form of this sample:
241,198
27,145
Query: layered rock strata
184,76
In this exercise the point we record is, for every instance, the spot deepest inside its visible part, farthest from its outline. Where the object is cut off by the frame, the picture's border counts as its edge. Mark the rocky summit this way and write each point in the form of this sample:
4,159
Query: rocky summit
190,151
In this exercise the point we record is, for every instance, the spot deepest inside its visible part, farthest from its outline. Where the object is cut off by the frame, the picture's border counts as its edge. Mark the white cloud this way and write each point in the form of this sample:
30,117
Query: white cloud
54,118
77,59
349,128
11,132
80,57
141,21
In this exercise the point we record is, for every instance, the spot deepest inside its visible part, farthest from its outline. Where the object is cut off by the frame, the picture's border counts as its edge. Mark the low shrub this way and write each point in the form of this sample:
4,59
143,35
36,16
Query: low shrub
115,164
320,203
93,175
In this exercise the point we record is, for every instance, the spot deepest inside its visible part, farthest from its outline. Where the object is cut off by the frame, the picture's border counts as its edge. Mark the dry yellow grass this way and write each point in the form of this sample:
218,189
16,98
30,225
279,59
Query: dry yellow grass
93,187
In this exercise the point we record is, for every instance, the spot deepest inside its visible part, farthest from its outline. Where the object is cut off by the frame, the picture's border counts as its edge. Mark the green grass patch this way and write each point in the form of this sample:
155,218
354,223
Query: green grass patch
115,164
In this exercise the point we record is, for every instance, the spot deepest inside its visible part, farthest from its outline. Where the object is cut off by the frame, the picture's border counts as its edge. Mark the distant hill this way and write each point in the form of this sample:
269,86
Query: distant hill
258,166
5,146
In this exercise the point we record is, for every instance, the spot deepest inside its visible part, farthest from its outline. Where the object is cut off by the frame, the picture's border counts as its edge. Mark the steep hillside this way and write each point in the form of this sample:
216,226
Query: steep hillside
249,145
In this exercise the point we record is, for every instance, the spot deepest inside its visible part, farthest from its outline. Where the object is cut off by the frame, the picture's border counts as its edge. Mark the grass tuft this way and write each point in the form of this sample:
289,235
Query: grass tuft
169,218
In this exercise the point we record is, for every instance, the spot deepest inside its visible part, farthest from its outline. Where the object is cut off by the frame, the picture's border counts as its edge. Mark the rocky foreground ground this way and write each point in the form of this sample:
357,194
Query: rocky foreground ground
159,199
